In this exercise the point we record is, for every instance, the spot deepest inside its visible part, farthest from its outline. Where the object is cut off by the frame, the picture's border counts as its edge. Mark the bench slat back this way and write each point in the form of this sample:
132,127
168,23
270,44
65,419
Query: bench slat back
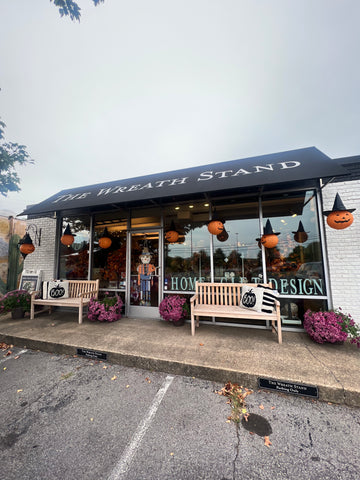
228,294
83,286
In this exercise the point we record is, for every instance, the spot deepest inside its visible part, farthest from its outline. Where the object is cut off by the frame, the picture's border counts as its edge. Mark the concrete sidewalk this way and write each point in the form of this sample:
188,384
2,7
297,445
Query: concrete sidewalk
215,353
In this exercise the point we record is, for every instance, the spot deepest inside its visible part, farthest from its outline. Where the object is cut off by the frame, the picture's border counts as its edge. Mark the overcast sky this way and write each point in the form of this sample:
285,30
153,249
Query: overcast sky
148,86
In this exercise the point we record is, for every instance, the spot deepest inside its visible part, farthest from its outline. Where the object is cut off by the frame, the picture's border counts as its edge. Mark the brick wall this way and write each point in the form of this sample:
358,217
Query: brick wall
343,248
43,258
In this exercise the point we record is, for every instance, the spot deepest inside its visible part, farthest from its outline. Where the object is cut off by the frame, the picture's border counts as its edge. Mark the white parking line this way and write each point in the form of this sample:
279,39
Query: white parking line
124,463
12,356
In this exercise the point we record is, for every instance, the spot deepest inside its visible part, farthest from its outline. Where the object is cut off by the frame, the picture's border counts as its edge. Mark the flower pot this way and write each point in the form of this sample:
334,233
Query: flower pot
17,313
179,323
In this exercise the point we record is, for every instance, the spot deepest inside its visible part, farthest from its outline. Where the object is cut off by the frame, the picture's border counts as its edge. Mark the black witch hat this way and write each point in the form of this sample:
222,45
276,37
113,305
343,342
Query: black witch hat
300,228
268,230
338,207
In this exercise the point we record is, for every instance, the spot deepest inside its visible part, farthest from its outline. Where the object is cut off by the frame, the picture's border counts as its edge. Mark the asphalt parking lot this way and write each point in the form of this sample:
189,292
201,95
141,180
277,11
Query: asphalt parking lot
68,417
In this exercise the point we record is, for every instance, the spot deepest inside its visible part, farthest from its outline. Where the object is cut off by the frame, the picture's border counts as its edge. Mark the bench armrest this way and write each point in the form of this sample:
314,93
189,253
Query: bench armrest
34,293
193,298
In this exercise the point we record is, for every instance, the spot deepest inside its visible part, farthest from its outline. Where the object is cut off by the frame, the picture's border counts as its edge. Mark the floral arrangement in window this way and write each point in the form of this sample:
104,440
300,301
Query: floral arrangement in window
15,299
173,308
106,310
333,326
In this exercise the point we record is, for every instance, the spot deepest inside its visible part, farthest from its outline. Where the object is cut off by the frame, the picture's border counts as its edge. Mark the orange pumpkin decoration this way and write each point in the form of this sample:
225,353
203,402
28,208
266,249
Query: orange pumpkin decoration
270,241
68,238
26,245
105,241
339,217
269,238
172,235
215,227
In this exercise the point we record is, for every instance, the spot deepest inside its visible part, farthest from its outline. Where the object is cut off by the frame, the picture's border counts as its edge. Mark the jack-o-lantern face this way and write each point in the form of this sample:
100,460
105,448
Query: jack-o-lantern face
215,227
340,219
269,240
172,236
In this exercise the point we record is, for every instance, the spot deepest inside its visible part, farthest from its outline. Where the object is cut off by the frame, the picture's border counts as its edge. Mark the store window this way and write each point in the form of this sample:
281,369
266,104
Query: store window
109,250
74,259
236,255
187,260
295,264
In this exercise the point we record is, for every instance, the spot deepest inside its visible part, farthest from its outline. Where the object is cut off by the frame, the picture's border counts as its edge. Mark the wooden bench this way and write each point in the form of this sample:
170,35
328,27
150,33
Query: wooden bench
80,293
223,300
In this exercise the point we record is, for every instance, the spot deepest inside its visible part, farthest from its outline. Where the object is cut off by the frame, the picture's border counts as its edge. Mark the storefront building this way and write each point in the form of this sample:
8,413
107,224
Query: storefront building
122,235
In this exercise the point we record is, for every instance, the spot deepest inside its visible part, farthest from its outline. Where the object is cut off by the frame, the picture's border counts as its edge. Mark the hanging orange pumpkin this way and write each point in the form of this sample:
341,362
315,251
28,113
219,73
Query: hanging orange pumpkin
68,238
172,235
105,240
215,227
339,217
269,241
269,238
26,245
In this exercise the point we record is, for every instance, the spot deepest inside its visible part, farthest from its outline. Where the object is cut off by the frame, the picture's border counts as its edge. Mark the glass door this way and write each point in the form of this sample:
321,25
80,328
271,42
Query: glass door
144,288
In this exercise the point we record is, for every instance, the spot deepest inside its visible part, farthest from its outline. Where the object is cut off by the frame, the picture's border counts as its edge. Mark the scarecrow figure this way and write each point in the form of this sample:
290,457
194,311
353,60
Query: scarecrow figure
145,276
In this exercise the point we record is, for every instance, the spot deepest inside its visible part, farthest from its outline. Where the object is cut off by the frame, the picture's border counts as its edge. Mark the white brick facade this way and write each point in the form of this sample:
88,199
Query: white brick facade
43,258
343,249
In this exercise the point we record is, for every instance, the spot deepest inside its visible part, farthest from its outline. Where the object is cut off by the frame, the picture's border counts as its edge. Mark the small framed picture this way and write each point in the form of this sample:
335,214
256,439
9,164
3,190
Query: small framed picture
30,280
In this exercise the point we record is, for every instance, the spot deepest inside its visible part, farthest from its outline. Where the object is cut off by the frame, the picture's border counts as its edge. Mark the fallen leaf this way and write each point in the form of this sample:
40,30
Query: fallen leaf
127,386
252,433
261,407
201,344
20,390
104,367
172,453
267,442
114,377
273,408
91,419
17,356
228,421
4,368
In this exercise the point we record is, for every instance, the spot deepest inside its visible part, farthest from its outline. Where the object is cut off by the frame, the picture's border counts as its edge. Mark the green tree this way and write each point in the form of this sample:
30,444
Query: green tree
69,8
11,155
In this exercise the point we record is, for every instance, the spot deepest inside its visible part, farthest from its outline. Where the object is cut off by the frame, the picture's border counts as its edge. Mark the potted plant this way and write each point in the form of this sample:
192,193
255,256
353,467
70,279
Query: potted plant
106,310
332,326
17,302
174,309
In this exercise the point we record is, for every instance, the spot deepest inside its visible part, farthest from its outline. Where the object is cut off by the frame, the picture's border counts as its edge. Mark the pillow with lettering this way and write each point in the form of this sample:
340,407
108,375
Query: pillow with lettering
58,289
251,298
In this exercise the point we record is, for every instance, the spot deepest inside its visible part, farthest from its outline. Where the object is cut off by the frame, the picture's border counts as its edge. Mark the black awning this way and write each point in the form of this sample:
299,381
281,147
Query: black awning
277,168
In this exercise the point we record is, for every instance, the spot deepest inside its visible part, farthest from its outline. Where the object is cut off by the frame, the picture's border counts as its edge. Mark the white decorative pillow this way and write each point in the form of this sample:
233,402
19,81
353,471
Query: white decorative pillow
251,298
269,298
58,289
44,290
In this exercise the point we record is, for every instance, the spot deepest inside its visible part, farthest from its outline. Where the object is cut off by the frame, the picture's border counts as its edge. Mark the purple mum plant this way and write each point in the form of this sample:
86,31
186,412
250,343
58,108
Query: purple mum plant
15,299
106,310
332,327
173,308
